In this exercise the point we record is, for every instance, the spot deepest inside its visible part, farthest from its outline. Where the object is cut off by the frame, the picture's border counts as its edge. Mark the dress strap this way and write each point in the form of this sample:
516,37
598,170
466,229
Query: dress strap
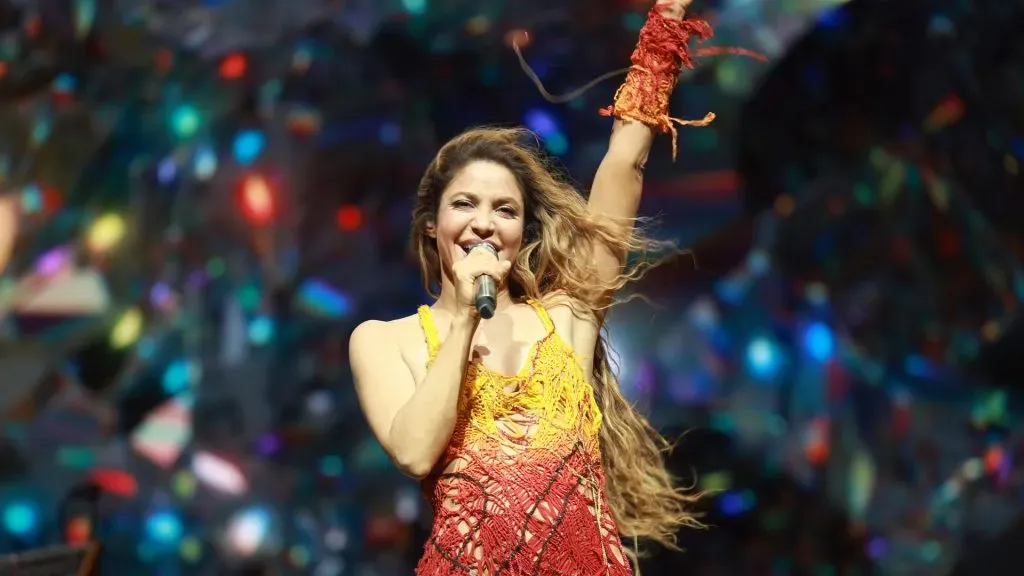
543,314
429,331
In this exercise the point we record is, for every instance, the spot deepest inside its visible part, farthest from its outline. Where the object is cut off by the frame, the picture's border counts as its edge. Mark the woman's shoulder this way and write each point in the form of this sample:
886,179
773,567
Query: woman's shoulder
557,298
398,332
390,329
561,302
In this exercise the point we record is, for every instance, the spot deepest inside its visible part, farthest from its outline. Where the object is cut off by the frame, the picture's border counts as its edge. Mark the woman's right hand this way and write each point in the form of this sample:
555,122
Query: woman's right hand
466,268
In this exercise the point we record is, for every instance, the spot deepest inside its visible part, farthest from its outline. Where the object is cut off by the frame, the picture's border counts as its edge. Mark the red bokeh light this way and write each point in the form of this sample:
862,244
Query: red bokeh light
350,218
78,531
256,199
233,66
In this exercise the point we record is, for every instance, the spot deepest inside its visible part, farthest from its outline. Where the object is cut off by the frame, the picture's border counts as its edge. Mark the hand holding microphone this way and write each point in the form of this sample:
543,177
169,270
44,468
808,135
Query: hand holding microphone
477,276
485,295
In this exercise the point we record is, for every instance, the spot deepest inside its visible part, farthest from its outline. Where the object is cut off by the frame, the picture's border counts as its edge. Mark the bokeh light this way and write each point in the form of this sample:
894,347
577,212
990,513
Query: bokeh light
105,233
763,358
21,517
249,531
248,146
185,121
164,528
257,200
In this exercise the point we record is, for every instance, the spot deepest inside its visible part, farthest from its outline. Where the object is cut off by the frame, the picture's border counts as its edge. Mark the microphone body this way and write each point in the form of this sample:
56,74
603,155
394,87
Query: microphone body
486,298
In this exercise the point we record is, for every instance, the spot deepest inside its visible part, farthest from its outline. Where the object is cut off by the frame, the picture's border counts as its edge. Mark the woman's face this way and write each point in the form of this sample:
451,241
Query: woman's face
483,203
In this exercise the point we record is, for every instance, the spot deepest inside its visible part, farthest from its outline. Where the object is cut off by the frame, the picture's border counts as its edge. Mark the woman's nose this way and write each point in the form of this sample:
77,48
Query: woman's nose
482,222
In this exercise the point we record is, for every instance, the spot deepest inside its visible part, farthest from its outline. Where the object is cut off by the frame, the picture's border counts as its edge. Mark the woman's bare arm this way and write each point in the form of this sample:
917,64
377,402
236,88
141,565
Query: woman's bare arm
413,423
8,229
618,183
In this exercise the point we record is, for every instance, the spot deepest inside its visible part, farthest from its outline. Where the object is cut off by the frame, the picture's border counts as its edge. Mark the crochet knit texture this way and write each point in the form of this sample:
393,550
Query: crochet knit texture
662,52
520,488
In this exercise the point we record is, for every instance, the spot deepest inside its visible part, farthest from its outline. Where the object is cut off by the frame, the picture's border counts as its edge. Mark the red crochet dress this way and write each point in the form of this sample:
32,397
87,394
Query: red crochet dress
521,489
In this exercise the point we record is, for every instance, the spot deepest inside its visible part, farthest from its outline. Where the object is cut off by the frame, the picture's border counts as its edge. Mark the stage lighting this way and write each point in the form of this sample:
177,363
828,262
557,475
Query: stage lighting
185,121
415,7
737,503
256,200
233,66
204,164
78,530
250,533
248,146
390,134
546,126
162,434
763,358
164,529
180,376
540,122
218,473
407,506
818,341
21,518
323,300
127,330
349,218
303,120
261,330
105,233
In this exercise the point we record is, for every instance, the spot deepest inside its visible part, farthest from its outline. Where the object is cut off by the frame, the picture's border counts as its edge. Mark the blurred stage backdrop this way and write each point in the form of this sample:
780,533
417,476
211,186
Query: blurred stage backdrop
215,193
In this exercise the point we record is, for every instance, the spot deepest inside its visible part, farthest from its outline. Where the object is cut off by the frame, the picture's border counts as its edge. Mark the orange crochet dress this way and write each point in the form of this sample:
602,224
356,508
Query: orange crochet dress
520,488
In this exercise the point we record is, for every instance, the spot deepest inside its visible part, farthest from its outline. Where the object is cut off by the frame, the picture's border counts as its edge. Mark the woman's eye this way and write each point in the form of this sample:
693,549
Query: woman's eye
460,204
507,210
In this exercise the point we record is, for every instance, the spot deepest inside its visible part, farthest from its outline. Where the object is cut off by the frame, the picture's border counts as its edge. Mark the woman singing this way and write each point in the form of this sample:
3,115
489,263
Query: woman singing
532,459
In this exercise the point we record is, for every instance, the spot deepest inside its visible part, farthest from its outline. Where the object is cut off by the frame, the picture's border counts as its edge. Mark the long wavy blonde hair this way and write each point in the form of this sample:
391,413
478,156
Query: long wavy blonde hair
558,242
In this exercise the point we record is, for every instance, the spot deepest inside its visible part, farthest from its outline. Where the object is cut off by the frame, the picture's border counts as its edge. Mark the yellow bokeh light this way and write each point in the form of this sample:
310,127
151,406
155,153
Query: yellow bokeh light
716,482
184,484
191,549
105,233
298,556
127,330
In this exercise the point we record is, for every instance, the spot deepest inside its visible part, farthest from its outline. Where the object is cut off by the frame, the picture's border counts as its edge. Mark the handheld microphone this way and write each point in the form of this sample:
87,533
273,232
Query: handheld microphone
486,292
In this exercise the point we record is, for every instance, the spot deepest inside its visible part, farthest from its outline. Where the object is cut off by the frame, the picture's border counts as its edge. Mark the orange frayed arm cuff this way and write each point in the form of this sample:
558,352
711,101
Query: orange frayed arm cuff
660,56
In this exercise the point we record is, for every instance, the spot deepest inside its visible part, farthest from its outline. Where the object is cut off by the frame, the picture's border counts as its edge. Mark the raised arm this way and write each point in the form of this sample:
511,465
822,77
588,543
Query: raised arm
640,109
617,187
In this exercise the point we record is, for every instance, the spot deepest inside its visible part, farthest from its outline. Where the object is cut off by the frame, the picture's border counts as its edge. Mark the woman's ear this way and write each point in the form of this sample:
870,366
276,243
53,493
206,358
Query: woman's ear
431,230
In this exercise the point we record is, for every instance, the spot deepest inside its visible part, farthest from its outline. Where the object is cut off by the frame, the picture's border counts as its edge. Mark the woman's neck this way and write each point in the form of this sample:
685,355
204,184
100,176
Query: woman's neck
446,301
